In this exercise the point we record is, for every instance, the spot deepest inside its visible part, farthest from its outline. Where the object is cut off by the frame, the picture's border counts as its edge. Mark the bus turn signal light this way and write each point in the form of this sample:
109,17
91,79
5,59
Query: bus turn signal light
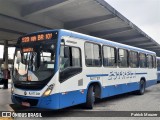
49,90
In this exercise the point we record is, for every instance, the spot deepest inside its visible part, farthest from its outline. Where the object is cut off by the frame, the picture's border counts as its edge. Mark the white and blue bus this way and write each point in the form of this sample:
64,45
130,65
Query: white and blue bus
55,69
158,69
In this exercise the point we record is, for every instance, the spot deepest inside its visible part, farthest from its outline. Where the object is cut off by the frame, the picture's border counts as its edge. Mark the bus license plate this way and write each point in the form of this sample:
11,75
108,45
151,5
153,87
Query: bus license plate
26,104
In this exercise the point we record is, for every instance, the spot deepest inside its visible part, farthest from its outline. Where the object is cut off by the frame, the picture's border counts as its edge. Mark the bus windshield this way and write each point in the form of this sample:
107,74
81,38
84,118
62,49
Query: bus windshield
34,63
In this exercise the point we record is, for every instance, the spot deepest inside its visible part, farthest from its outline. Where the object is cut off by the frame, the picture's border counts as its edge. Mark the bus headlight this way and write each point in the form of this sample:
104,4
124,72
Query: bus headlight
49,90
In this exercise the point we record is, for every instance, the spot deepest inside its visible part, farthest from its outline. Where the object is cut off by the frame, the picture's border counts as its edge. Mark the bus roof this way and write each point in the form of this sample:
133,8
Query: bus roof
104,41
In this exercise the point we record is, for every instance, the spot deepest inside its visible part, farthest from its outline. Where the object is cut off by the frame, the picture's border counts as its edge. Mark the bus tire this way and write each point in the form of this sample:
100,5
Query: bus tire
142,86
90,98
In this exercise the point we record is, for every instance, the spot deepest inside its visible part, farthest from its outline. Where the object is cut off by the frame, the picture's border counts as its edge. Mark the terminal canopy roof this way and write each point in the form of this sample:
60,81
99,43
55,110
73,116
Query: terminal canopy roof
92,17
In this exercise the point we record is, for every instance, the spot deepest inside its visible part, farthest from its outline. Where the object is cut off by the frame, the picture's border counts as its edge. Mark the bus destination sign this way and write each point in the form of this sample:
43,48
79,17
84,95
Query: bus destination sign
38,37
27,50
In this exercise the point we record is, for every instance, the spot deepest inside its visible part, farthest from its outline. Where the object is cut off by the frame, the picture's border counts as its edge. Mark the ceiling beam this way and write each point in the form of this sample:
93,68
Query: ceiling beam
40,7
12,31
23,21
152,47
137,42
146,43
155,49
9,42
110,32
138,39
147,46
126,38
87,21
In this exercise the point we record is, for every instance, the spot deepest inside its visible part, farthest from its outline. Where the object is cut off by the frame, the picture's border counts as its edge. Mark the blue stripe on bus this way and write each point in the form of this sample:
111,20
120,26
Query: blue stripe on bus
140,73
96,75
99,75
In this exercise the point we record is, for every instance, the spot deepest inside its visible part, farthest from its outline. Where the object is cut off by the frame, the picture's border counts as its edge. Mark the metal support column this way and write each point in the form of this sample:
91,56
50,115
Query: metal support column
5,54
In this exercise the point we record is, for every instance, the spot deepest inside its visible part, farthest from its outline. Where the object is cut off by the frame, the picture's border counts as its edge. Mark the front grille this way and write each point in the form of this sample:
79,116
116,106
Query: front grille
33,102
29,87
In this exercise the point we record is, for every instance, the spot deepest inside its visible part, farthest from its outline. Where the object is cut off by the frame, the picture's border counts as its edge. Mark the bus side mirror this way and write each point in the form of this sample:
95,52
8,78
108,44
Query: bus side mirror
66,52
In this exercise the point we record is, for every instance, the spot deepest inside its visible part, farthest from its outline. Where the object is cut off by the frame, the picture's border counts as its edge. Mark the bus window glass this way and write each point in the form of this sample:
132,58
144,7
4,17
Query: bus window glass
76,57
123,58
69,57
142,60
149,61
133,56
89,54
109,59
158,64
97,60
34,64
154,61
93,54
64,58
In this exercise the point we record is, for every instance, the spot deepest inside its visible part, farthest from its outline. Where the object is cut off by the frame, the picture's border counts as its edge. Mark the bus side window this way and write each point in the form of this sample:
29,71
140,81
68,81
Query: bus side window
158,64
64,58
154,62
93,55
70,62
150,61
142,60
123,58
133,59
109,56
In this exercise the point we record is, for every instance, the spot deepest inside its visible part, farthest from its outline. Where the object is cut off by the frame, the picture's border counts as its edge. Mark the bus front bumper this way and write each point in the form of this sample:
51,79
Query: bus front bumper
49,102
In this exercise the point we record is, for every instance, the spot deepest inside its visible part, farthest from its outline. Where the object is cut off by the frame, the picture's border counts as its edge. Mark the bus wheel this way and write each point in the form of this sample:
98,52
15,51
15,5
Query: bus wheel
141,87
90,98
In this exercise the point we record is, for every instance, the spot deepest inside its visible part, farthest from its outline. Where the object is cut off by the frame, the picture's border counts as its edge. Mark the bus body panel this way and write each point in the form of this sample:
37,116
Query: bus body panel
158,69
73,91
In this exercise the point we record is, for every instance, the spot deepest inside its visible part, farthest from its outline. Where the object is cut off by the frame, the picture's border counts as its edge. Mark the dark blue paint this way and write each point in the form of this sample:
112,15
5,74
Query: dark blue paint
151,82
50,102
141,73
72,98
158,77
96,75
119,89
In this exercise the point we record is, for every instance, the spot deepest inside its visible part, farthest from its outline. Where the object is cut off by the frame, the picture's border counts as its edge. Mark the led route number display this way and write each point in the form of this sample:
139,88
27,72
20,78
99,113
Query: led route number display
25,50
36,38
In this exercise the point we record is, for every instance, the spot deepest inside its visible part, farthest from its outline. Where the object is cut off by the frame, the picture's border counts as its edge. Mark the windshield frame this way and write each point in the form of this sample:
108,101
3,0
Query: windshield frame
35,84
